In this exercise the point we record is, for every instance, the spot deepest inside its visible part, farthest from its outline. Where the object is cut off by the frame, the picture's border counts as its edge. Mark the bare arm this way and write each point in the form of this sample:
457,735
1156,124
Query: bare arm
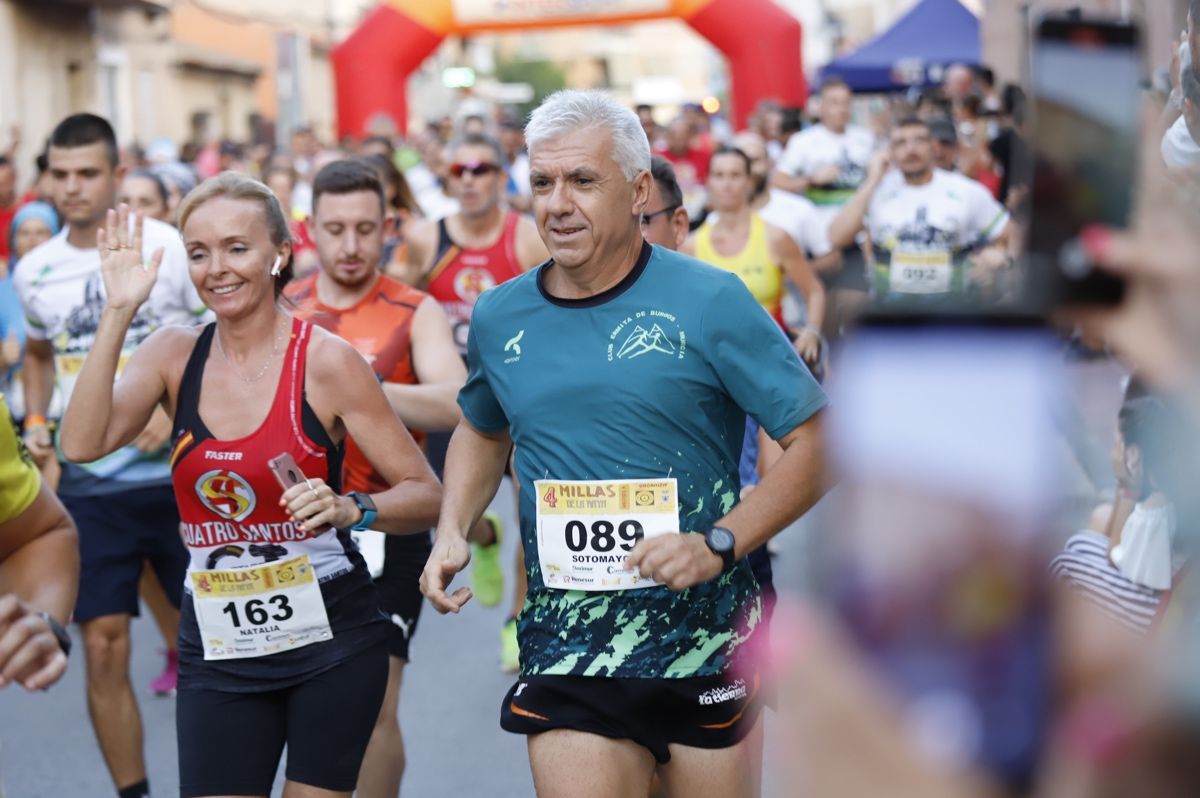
346,385
39,572
430,405
788,490
37,374
474,467
788,254
39,557
797,184
102,416
846,226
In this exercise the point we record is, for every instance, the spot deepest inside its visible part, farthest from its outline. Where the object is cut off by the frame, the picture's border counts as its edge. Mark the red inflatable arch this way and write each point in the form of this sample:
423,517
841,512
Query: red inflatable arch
761,41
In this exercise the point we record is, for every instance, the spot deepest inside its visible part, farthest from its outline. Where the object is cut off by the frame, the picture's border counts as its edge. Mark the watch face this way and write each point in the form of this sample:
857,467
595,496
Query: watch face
721,538
364,502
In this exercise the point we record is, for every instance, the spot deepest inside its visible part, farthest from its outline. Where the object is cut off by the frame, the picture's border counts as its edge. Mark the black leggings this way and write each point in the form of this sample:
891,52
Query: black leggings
230,743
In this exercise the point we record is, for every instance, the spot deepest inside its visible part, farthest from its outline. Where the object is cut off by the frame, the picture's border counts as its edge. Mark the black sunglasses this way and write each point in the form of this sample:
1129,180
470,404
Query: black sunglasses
647,218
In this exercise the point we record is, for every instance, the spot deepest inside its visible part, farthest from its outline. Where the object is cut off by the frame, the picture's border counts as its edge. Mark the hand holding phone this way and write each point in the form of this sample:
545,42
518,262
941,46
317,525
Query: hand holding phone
289,475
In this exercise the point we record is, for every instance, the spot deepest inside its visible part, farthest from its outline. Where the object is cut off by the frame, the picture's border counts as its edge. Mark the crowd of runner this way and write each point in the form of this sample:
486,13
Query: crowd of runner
271,394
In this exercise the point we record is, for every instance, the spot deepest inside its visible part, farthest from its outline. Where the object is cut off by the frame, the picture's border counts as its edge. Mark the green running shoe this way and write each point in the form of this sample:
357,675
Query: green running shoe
510,651
487,580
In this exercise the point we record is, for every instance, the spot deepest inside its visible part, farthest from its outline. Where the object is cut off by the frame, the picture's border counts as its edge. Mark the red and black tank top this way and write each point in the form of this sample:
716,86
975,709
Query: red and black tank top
227,495
459,275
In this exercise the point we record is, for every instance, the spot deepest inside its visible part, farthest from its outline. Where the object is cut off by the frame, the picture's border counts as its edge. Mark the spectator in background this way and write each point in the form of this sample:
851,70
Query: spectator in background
689,162
958,84
281,179
377,145
179,179
33,224
145,192
1128,556
945,144
985,80
1181,143
401,206
1010,151
9,202
645,115
516,159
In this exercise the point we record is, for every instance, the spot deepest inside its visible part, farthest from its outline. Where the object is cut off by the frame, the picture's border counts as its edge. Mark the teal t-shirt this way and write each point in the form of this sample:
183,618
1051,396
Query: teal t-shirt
651,379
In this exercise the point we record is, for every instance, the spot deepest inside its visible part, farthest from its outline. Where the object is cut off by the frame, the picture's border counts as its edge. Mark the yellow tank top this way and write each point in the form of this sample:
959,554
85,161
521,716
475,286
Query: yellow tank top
19,479
762,275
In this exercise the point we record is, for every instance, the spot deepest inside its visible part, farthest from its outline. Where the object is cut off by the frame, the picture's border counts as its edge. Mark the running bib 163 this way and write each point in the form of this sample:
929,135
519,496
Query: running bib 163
920,272
585,529
252,612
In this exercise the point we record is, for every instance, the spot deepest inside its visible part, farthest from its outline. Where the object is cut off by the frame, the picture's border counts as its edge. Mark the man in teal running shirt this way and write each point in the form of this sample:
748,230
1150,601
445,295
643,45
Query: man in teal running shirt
623,373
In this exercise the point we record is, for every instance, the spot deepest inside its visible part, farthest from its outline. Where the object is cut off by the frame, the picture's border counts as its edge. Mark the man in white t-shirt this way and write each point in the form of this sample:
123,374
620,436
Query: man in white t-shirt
827,163
123,504
933,232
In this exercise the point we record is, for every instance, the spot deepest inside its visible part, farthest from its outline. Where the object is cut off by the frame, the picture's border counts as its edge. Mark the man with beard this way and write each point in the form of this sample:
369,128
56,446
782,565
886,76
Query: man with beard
404,335
934,232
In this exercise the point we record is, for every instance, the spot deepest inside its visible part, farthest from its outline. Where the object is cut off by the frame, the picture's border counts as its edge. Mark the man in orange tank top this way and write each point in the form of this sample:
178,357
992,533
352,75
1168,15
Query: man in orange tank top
456,260
404,335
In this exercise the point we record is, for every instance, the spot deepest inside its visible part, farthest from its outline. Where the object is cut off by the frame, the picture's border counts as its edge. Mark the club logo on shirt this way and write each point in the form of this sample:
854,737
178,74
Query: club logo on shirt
225,493
471,282
645,332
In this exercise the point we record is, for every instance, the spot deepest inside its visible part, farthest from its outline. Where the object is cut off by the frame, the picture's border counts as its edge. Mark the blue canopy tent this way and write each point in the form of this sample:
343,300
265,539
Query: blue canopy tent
915,51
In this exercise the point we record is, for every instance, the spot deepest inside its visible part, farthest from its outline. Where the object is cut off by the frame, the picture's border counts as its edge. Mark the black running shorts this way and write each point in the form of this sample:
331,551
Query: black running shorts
230,743
704,712
400,599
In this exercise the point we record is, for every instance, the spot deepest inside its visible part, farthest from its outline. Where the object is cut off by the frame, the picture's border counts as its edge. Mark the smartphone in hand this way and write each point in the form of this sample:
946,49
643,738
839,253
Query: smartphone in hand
288,474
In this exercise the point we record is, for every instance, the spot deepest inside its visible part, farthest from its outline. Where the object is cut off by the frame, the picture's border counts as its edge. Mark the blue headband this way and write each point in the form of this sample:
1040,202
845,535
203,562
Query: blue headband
41,211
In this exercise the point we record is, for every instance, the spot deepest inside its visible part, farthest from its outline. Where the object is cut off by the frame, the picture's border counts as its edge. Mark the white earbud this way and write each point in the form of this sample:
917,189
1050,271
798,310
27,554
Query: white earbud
277,267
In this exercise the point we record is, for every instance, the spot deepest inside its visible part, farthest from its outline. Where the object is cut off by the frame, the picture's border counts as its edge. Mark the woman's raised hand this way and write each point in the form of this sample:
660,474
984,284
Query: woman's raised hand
128,278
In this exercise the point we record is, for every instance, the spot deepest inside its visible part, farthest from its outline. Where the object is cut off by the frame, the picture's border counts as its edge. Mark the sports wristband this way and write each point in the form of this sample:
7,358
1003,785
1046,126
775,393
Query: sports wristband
34,420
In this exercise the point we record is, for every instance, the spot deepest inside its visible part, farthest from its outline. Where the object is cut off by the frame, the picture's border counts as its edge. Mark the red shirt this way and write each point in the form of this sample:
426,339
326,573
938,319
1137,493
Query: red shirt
691,168
6,220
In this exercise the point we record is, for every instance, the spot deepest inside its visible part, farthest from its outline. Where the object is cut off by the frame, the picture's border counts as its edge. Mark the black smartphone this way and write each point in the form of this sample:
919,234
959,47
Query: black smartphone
1086,76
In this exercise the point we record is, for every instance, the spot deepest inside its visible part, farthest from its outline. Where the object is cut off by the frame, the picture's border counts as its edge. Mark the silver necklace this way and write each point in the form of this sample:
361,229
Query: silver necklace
261,372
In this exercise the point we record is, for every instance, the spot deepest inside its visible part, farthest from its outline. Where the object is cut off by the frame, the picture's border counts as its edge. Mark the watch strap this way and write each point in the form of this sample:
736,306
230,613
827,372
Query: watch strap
59,631
366,507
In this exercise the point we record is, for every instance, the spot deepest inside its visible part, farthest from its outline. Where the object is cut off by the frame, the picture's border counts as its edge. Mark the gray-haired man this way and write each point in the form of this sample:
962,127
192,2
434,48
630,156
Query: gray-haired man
623,373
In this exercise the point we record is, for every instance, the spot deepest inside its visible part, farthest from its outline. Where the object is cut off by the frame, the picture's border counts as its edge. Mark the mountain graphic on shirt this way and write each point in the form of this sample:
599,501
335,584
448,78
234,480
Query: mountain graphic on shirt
641,341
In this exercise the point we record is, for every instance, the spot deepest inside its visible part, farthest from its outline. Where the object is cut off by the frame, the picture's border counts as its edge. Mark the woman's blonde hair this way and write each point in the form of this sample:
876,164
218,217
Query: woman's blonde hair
236,185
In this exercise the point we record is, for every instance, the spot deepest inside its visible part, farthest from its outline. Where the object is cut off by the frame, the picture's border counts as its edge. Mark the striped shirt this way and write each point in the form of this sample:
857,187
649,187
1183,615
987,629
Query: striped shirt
1085,565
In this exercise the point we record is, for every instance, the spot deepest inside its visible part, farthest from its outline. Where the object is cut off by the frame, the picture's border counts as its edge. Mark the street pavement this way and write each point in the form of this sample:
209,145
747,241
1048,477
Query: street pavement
450,701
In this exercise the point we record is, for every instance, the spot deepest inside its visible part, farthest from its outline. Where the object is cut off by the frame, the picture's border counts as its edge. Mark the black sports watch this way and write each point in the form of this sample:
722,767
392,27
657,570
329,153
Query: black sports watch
60,634
720,542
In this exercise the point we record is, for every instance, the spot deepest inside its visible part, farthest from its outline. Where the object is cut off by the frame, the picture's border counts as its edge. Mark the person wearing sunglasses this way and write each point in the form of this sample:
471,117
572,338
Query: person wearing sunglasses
455,260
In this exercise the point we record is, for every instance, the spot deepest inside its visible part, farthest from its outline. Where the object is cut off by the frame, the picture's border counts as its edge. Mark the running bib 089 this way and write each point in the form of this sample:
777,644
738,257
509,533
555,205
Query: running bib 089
586,529
252,612
920,272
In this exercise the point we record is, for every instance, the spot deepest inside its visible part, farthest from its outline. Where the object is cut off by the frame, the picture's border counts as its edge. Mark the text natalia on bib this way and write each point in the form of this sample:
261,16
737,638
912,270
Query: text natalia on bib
252,612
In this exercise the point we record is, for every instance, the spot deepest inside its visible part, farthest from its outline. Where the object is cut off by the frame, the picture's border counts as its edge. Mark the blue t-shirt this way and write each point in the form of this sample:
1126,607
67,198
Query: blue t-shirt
650,379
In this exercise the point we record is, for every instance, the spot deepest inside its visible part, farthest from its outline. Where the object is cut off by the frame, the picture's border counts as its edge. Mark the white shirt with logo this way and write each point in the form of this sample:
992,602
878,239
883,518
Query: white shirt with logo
62,291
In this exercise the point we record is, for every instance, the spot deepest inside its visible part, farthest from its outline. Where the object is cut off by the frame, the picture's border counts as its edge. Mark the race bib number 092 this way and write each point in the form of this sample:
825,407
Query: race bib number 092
586,529
920,272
